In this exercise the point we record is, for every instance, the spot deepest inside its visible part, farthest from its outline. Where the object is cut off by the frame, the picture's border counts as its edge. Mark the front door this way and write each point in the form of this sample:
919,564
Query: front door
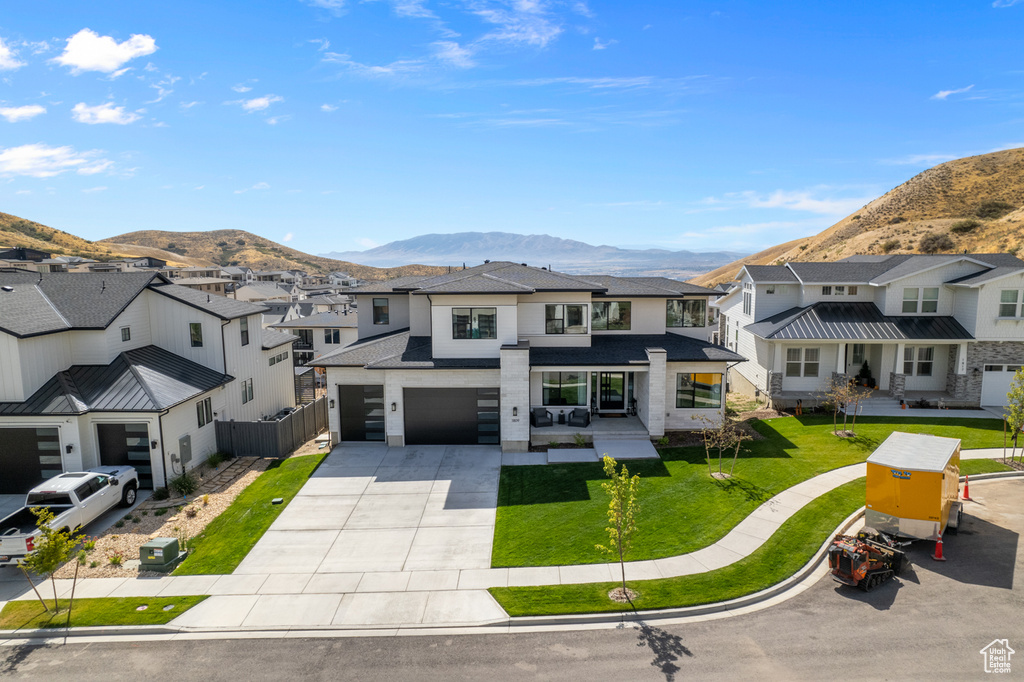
613,391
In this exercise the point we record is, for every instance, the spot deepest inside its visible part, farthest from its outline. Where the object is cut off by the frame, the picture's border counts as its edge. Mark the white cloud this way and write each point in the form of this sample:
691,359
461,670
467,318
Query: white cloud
89,51
199,187
39,47
582,9
598,45
1005,3
328,108
257,103
518,22
274,120
335,7
103,113
91,190
15,114
241,87
189,105
450,52
919,160
322,43
163,87
9,58
42,161
396,68
943,94
258,186
368,243
413,9
803,200
287,237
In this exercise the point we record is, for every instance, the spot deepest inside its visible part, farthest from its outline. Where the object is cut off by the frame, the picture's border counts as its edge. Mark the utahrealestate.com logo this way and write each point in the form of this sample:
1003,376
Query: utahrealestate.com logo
997,656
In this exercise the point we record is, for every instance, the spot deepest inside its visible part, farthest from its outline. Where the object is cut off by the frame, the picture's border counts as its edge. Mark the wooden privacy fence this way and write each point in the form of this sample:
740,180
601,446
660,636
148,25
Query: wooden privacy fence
273,438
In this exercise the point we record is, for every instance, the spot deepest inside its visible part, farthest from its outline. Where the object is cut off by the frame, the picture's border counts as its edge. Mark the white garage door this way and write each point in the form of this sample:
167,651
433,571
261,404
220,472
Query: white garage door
995,383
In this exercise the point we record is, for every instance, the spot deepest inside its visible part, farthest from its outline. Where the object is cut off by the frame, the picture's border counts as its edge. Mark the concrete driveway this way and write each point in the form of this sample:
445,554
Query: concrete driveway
371,516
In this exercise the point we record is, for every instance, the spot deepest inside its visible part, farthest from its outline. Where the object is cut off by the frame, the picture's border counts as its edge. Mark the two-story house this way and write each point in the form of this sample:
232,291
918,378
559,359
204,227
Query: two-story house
466,357
938,327
320,333
127,369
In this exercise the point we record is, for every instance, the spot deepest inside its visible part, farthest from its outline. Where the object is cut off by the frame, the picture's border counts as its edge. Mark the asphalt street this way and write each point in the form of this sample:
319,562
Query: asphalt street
930,624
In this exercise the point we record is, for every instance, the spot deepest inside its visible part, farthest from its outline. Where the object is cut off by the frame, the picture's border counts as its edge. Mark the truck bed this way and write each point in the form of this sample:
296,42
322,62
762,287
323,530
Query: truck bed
21,522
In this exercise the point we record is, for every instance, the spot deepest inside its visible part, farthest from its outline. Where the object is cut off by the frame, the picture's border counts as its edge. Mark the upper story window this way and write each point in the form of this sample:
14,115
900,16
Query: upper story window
565,318
839,290
748,302
474,323
195,334
244,325
690,312
1010,303
380,311
826,290
925,299
332,336
853,291
610,315
126,333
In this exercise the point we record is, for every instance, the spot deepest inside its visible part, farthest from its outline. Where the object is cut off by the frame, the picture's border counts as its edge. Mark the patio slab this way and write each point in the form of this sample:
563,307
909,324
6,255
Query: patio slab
639,448
571,455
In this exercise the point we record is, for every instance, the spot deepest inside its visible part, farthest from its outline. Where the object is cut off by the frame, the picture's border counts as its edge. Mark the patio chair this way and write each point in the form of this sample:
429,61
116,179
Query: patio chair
579,417
541,417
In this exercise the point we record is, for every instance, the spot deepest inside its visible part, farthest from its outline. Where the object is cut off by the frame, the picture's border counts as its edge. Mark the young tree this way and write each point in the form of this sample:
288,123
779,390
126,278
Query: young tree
858,395
622,511
1014,414
53,548
733,437
837,394
709,434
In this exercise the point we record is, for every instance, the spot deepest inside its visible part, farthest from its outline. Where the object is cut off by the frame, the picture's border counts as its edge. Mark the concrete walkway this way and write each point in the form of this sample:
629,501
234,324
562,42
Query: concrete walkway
269,590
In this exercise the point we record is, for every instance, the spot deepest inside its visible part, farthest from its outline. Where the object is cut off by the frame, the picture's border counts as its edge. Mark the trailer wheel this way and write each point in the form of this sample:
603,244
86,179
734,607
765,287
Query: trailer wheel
953,530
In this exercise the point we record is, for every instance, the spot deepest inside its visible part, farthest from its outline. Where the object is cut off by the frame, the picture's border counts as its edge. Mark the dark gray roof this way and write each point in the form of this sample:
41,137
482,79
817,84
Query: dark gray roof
986,275
148,379
390,286
843,273
856,321
328,319
652,287
631,350
273,339
770,273
397,351
61,300
219,306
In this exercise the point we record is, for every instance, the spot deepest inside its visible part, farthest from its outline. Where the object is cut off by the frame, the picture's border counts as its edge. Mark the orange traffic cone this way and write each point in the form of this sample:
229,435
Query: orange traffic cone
967,487
938,550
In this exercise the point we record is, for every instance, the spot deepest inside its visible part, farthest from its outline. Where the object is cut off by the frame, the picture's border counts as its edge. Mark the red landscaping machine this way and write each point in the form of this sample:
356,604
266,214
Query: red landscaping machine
867,560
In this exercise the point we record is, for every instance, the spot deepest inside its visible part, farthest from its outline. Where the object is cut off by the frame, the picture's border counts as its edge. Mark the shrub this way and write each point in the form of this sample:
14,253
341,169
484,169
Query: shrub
185,484
935,242
191,511
964,226
82,557
216,459
119,524
93,564
890,245
240,242
160,512
579,439
993,209
663,441
89,545
856,217
115,559
161,494
896,219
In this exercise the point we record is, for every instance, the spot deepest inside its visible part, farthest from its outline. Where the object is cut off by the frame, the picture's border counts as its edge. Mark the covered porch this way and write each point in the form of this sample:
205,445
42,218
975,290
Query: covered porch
625,427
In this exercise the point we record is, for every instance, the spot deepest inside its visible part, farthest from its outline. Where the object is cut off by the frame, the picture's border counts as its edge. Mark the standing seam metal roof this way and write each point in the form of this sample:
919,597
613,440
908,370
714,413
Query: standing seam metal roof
856,321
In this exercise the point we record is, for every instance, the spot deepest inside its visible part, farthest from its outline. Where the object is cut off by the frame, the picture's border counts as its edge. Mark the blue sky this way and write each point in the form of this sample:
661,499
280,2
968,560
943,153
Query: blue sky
340,124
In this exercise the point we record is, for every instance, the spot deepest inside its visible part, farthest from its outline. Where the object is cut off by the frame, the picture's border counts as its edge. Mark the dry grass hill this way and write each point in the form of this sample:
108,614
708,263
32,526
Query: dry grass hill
237,247
974,204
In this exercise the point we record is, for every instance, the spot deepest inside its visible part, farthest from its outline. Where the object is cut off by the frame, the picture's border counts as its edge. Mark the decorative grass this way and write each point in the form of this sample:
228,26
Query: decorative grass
224,543
555,515
29,615
788,549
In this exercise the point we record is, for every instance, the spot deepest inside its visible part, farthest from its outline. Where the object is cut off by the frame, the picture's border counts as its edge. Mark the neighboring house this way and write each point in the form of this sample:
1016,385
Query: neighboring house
126,368
201,271
45,265
330,303
265,291
212,285
942,327
341,279
24,253
320,333
146,263
276,312
464,357
239,274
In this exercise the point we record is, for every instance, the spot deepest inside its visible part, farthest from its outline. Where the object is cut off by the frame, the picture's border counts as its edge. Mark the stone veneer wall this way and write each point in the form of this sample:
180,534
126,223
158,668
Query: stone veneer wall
897,385
984,353
956,384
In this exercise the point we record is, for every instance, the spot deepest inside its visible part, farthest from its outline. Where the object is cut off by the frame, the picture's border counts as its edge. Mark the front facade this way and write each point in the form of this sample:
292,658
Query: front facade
319,334
126,369
470,356
946,328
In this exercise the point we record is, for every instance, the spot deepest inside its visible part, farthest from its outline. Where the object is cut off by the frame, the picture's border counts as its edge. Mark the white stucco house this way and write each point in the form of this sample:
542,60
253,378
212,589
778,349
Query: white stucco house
127,368
471,356
944,328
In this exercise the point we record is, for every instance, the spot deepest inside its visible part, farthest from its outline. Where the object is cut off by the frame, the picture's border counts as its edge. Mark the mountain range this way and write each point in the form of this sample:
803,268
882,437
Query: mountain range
564,255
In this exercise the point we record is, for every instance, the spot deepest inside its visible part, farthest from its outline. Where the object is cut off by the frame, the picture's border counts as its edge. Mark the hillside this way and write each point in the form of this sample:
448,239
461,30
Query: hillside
974,204
15,231
237,247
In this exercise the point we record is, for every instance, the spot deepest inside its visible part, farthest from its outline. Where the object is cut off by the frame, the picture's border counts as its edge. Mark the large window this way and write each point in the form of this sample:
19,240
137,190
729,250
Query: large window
748,298
244,325
195,333
699,391
918,360
380,311
474,323
1010,303
565,319
565,388
610,315
204,412
691,312
802,362
332,336
246,391
925,299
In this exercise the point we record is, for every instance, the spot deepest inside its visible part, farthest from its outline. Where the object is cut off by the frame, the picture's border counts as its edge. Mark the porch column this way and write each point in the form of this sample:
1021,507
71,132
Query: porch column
841,359
656,388
515,397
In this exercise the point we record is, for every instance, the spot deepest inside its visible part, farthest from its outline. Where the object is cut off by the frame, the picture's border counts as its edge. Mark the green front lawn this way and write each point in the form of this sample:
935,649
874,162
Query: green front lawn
28,615
224,543
555,515
788,549
969,467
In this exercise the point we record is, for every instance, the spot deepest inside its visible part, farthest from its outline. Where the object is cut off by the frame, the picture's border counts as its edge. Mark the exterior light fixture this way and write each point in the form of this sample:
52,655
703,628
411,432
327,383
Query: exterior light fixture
394,407
332,404
515,411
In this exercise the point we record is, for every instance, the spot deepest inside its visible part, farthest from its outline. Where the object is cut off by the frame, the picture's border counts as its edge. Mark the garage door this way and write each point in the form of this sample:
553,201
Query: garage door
452,416
27,458
995,383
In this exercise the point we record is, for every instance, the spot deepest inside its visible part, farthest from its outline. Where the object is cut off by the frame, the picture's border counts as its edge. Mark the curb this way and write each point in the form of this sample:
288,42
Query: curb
995,474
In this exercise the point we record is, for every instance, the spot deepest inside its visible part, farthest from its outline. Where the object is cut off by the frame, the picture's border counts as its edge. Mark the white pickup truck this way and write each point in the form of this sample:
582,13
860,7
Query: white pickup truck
76,499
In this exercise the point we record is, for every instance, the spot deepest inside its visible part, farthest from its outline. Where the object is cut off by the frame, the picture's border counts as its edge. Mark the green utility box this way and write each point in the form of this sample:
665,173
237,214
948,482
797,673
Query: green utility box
160,554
